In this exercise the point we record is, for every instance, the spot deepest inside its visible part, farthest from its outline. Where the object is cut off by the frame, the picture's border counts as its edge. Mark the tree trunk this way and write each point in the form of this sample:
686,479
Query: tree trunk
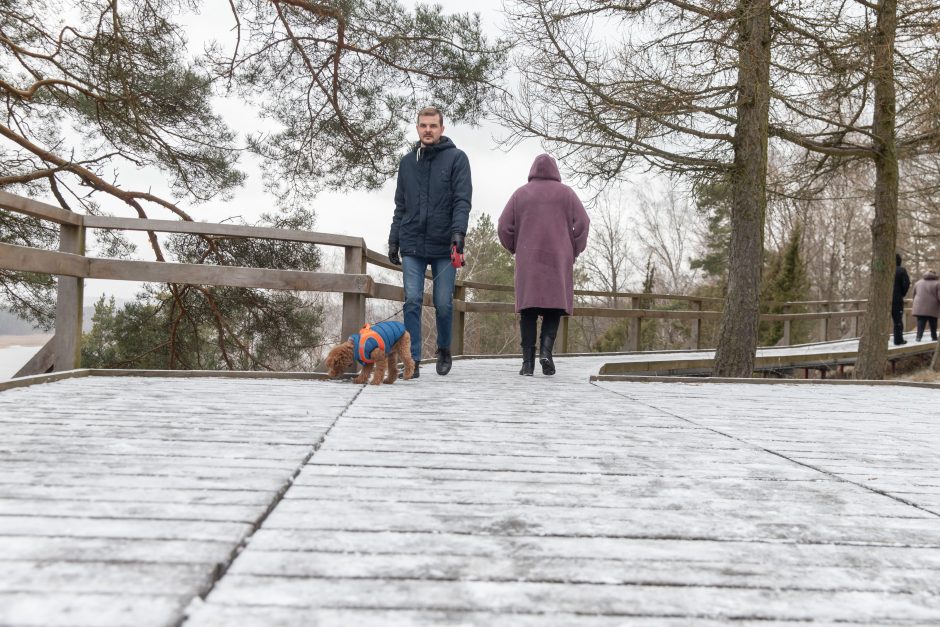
737,336
873,343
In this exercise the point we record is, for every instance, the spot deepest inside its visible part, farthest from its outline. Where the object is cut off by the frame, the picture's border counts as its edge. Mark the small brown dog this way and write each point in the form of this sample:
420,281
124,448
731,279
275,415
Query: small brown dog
370,347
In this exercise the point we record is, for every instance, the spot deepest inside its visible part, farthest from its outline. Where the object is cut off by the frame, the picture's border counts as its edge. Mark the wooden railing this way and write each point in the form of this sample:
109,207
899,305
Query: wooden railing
71,267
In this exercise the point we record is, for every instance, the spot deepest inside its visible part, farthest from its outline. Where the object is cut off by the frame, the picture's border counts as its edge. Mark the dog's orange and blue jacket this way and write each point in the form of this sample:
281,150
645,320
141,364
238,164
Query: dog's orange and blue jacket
382,335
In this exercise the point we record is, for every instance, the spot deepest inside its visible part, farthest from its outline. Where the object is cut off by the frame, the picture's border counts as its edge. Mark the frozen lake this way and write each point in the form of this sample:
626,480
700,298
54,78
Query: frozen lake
13,357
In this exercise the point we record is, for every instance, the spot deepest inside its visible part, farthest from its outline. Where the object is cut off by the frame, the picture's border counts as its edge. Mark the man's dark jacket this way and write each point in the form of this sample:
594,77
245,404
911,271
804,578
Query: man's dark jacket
902,282
432,200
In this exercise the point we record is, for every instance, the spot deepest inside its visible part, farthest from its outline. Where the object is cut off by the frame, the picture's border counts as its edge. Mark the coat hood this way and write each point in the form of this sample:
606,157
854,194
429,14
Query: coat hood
930,275
544,167
444,144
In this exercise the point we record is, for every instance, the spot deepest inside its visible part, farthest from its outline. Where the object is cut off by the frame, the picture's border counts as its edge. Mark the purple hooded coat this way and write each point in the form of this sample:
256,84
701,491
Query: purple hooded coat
545,226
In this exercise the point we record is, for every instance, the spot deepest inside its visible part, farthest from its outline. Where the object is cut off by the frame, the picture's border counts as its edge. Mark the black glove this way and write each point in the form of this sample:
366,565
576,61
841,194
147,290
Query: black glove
393,254
456,241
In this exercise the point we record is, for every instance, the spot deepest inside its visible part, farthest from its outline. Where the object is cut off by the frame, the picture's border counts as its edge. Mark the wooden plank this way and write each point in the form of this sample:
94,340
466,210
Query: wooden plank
549,598
37,209
83,527
26,381
49,262
220,230
649,297
112,549
104,577
131,512
575,570
68,609
230,276
139,494
385,291
378,259
797,359
25,259
476,285
210,374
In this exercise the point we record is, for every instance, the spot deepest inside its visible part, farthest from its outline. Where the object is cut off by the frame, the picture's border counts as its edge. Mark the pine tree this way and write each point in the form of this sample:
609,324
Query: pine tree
785,280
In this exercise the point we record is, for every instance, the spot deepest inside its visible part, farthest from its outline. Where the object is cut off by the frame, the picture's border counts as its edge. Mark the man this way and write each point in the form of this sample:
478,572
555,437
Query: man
902,282
432,208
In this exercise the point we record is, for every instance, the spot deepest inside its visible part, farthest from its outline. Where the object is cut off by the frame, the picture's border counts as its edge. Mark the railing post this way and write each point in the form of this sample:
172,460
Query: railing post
695,339
861,306
633,328
354,305
787,338
459,321
824,324
67,347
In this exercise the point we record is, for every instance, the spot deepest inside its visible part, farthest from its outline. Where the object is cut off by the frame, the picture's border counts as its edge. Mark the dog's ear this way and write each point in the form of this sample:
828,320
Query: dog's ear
339,358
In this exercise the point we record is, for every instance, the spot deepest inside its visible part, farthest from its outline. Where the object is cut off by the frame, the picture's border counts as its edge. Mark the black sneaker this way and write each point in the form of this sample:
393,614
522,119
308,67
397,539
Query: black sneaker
443,361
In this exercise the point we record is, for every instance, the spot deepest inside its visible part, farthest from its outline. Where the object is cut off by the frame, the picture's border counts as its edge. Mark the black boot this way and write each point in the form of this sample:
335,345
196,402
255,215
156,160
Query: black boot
545,355
444,361
528,361
899,334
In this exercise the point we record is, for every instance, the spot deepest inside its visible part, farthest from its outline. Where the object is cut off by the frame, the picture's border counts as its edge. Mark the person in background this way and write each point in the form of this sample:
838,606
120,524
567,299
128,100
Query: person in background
902,282
926,304
546,227
432,209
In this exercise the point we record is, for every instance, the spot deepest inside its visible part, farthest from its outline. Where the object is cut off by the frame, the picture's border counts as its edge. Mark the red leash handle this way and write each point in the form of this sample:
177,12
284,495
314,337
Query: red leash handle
457,259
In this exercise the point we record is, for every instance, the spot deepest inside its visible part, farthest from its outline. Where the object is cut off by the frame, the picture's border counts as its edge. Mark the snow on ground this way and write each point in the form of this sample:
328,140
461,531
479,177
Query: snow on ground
480,498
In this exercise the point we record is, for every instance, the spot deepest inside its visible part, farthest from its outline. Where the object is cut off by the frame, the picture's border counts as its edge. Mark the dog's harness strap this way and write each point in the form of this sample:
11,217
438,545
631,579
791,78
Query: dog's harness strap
364,334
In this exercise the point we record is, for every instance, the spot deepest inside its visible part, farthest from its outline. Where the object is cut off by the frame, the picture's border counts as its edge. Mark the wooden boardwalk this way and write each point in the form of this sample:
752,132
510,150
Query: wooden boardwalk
480,498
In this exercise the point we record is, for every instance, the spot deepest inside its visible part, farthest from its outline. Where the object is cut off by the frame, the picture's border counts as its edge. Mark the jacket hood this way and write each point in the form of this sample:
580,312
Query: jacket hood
443,144
930,275
544,167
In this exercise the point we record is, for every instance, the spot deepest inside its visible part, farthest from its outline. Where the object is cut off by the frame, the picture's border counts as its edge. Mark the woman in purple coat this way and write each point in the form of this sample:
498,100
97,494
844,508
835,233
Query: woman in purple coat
546,227
927,304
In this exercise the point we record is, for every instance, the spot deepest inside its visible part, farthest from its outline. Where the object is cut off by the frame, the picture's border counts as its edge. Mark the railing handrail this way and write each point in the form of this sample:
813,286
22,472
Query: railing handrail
44,211
220,230
36,209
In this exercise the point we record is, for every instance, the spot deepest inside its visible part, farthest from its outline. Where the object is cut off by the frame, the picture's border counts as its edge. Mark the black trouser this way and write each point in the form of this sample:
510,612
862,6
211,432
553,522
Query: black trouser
528,319
923,321
897,315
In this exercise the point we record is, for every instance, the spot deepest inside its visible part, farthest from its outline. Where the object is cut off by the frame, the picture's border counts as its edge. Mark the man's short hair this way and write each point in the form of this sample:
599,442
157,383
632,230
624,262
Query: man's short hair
431,111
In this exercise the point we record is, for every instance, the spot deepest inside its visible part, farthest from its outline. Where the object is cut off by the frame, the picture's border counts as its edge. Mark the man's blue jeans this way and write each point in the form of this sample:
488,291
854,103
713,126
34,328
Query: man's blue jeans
445,276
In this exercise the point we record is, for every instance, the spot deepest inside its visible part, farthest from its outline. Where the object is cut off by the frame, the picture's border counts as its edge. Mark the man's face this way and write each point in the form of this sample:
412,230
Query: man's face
429,129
